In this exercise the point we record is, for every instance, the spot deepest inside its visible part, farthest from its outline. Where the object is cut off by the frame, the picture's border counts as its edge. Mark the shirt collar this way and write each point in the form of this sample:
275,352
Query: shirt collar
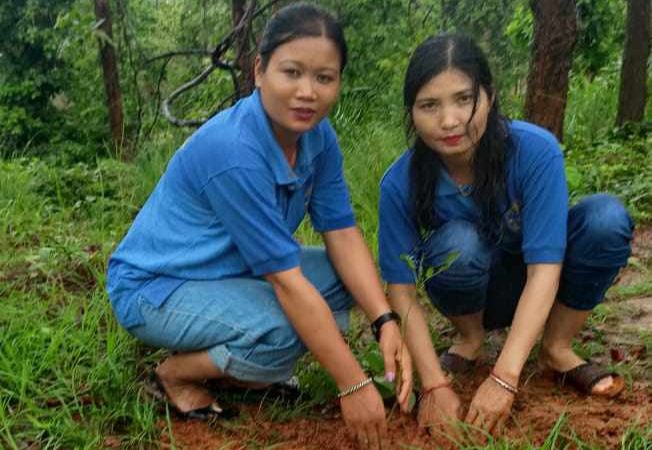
446,185
283,173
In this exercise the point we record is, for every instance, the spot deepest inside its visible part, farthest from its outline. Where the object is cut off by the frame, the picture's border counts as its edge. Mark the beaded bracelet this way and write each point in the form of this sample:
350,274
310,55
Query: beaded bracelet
503,384
356,387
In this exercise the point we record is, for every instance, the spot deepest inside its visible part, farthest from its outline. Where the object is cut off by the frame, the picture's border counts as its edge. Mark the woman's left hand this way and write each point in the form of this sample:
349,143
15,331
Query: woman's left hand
490,407
397,362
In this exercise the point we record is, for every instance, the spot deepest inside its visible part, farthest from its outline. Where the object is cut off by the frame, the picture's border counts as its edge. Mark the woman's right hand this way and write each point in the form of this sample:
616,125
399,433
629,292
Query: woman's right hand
441,409
364,414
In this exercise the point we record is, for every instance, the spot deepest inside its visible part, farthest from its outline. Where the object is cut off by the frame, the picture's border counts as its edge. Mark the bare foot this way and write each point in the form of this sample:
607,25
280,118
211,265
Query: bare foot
183,395
565,359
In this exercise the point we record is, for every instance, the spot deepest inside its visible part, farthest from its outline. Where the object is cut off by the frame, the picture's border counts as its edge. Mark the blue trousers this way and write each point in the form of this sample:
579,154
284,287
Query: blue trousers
240,322
490,279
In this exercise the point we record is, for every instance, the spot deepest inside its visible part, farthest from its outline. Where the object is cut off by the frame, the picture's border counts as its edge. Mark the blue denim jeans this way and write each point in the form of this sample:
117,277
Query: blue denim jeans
240,322
491,278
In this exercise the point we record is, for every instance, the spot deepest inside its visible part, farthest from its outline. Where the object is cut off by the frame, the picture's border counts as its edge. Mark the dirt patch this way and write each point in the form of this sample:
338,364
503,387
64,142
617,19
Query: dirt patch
640,263
638,314
540,404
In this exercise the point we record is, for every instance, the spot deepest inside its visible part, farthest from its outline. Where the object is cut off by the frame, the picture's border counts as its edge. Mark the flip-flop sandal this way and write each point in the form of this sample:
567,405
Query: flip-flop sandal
213,411
585,376
286,391
456,364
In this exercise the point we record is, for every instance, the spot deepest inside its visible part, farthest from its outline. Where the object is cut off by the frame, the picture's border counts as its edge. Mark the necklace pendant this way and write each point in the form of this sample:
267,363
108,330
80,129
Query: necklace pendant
465,190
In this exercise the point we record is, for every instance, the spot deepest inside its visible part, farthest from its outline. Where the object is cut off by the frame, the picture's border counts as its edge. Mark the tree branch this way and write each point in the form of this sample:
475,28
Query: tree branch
244,25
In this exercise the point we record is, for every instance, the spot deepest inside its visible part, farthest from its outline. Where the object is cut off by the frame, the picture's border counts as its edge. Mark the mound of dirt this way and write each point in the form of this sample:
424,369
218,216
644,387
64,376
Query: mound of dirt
539,405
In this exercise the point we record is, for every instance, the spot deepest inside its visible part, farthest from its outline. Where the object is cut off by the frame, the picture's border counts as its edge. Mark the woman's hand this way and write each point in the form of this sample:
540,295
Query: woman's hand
440,409
490,407
364,414
397,362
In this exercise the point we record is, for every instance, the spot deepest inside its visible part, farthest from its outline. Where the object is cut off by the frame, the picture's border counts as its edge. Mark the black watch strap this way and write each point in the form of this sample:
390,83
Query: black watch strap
382,320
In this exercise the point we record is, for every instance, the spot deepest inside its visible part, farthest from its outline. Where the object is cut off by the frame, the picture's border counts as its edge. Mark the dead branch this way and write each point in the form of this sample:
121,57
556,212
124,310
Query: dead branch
217,62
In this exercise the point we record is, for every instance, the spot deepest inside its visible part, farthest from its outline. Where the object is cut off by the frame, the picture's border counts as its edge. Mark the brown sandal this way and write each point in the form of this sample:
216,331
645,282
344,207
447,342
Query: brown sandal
587,375
456,364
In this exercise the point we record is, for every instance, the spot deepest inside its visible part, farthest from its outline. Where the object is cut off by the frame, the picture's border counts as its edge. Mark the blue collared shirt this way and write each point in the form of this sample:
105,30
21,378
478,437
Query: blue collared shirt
534,214
227,206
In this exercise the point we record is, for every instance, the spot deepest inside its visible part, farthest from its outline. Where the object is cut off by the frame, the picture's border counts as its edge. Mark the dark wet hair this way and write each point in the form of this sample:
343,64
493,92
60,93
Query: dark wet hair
434,56
300,20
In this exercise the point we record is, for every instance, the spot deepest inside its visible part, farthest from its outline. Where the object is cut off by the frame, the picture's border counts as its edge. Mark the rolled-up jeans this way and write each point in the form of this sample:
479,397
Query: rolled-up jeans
491,279
240,322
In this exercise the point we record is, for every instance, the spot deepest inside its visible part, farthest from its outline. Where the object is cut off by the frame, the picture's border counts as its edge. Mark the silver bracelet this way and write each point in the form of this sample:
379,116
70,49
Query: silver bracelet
503,384
355,387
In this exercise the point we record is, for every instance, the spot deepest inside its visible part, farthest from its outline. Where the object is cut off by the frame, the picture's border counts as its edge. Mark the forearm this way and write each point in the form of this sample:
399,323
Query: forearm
402,298
531,313
314,323
354,264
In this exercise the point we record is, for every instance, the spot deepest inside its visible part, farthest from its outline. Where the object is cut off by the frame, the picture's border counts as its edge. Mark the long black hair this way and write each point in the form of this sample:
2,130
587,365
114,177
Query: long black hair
299,20
434,56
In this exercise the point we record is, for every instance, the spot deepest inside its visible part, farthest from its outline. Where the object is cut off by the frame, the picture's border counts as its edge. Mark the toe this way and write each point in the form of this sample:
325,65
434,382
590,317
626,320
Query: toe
603,386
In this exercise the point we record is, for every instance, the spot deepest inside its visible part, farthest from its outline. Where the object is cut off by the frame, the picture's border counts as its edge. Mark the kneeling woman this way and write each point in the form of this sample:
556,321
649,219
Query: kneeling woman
210,268
490,195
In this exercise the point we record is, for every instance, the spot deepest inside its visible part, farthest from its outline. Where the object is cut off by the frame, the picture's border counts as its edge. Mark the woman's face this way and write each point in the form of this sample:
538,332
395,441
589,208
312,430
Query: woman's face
299,85
442,111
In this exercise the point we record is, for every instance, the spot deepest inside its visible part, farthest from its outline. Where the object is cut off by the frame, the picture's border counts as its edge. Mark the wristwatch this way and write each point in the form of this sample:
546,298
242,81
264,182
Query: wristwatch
382,320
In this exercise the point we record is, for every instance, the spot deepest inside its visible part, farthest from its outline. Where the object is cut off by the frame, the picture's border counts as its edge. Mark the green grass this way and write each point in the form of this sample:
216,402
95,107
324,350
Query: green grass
70,376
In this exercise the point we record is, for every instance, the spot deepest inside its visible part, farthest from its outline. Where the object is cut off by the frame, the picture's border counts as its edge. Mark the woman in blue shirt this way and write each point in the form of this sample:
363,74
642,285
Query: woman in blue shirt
489,194
210,268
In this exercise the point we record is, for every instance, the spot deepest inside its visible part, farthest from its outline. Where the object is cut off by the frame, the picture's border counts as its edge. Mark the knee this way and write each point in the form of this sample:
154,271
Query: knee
282,336
601,216
460,242
600,226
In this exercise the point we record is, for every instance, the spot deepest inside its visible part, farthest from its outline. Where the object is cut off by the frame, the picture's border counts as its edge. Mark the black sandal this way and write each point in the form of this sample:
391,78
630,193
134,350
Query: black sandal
214,411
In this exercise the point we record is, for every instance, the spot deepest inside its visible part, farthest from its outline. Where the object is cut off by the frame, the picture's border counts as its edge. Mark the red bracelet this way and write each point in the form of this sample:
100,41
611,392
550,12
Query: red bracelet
446,383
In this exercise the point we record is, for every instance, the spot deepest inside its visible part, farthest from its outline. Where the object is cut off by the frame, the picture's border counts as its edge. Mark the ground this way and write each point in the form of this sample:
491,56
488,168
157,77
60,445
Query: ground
619,334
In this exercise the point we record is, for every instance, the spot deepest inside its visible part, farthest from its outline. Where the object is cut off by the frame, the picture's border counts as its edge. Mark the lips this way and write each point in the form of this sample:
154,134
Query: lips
452,140
303,114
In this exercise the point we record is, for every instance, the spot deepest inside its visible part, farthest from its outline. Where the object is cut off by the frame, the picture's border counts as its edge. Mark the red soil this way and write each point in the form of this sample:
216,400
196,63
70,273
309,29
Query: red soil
539,405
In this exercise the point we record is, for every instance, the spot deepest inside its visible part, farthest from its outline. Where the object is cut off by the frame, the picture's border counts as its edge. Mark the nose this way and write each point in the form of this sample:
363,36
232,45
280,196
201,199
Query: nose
306,89
449,118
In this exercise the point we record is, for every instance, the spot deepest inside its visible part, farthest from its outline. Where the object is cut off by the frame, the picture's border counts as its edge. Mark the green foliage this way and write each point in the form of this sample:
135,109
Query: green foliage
598,39
30,70
70,375
615,162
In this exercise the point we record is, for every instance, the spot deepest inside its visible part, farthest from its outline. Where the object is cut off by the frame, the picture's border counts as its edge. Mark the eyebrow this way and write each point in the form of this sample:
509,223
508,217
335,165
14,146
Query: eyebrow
298,63
455,94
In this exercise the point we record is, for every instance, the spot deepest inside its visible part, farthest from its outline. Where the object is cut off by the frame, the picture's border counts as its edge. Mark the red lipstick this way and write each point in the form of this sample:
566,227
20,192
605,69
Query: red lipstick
452,140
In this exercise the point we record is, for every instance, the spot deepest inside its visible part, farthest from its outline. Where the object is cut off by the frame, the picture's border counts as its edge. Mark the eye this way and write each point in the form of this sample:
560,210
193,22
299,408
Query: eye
292,73
325,79
428,106
465,99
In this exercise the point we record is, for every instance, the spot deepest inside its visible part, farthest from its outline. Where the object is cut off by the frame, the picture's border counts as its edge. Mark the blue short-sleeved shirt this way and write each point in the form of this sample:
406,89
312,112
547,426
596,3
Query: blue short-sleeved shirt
535,209
227,206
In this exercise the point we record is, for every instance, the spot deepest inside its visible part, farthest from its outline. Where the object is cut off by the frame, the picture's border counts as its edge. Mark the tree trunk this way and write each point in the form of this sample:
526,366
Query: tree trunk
555,32
110,73
633,73
244,55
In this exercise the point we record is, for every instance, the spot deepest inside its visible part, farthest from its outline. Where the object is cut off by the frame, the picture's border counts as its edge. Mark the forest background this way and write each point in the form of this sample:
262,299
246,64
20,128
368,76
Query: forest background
70,185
